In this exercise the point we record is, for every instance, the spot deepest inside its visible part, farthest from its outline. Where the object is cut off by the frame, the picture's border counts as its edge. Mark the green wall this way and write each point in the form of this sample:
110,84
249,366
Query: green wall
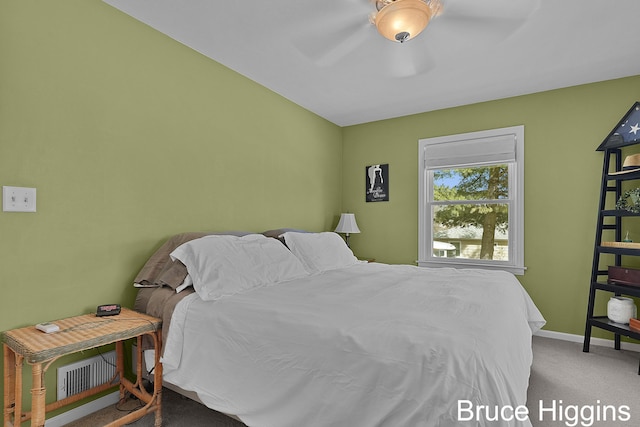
130,137
562,184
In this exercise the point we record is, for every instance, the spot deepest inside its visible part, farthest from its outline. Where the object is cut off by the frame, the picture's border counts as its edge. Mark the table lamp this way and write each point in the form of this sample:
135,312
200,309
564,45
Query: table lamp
347,225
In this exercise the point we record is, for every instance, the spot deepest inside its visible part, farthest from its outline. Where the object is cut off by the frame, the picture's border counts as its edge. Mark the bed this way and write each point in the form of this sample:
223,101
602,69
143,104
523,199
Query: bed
295,331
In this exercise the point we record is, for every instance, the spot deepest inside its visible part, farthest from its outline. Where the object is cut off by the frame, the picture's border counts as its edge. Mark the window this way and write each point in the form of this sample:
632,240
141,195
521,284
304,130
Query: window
471,201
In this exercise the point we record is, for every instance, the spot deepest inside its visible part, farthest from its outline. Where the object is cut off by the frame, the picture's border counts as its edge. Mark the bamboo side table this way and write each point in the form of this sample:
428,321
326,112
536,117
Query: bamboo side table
76,334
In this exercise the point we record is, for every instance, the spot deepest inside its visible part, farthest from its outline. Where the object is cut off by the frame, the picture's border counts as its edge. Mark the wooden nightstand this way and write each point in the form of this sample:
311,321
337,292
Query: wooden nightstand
77,334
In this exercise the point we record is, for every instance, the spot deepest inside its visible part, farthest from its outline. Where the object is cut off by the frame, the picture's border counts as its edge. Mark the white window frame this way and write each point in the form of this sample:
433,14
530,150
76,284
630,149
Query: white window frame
515,264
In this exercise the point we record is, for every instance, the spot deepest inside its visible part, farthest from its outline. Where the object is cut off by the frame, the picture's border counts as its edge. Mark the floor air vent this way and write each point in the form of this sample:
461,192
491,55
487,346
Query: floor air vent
85,374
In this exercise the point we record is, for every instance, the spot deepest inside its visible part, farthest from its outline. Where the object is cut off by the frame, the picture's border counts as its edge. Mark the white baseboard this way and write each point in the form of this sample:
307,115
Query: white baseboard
580,338
83,410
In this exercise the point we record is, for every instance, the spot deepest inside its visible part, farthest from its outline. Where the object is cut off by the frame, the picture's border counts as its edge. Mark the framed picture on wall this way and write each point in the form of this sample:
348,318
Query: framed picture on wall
377,179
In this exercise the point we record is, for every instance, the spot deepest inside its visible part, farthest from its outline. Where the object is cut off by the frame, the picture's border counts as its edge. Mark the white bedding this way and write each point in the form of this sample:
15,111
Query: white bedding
367,345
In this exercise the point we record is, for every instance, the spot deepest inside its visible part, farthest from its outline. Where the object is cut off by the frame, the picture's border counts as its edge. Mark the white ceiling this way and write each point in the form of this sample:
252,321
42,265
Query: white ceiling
325,55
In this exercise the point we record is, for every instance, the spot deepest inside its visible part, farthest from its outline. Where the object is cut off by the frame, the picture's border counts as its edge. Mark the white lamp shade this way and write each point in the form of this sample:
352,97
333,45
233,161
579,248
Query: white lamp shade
347,224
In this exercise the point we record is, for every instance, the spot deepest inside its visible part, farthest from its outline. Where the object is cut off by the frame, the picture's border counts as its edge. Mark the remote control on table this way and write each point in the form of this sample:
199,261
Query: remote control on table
47,327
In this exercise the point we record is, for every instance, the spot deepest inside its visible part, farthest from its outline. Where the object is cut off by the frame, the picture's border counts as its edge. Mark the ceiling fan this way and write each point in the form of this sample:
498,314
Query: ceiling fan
401,20
344,31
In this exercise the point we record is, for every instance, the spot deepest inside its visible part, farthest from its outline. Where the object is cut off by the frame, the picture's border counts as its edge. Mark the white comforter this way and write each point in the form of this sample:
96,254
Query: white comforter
368,345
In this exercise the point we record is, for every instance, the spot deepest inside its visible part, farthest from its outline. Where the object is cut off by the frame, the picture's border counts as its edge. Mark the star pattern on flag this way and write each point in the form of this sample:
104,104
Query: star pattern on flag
626,132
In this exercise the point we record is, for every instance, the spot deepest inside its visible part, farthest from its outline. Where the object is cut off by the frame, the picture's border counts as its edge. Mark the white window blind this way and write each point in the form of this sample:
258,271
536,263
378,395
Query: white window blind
474,151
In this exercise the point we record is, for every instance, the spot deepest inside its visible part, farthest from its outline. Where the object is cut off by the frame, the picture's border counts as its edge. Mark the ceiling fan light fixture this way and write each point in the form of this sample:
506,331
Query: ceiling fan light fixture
401,20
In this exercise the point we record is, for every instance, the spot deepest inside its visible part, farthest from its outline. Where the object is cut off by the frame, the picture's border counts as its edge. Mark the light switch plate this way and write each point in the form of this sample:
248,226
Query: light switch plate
18,199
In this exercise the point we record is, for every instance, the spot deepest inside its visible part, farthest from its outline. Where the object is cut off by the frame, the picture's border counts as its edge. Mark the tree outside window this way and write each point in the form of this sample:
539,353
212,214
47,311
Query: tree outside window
480,215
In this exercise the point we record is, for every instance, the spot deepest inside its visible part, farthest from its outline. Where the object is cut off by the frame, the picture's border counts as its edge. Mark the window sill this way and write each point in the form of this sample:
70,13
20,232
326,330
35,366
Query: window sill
518,271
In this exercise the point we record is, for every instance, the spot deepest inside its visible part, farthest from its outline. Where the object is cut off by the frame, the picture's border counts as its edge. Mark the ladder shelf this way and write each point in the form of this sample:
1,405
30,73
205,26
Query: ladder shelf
610,224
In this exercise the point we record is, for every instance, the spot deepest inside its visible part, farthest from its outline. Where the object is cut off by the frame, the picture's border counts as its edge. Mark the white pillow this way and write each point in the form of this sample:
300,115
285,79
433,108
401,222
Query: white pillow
225,265
320,252
185,284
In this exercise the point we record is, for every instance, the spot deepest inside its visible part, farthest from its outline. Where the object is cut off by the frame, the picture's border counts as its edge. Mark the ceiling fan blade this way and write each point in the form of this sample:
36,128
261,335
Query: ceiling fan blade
467,28
520,9
407,59
499,17
333,33
467,25
342,44
390,59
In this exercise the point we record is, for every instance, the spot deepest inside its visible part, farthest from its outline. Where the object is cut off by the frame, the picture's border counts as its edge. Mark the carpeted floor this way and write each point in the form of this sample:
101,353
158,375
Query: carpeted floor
600,381
177,411
565,376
